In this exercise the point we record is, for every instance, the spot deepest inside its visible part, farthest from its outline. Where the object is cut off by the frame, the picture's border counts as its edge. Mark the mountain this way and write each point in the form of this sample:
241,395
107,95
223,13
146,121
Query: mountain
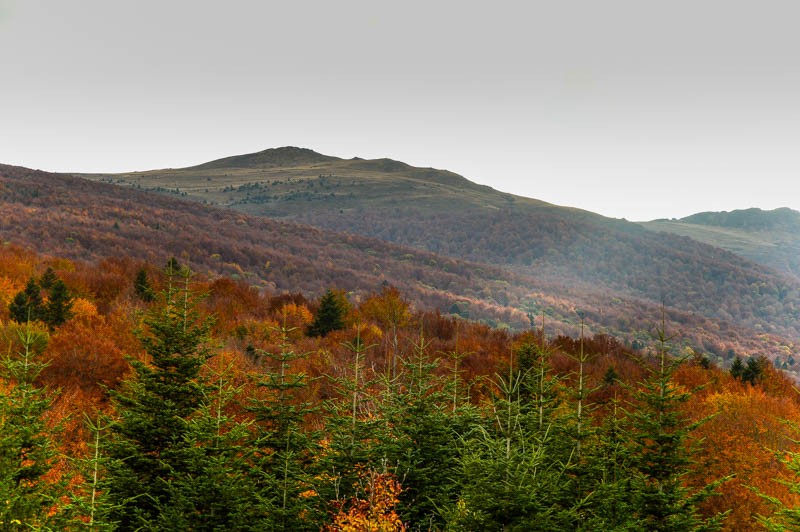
78,219
276,157
771,238
618,273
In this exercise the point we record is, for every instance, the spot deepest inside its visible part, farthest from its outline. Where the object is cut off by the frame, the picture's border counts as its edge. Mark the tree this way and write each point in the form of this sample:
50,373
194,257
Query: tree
375,510
754,370
391,311
354,433
142,287
786,517
507,479
151,439
210,485
423,441
27,452
48,279
27,305
333,308
737,368
59,305
608,505
661,452
284,449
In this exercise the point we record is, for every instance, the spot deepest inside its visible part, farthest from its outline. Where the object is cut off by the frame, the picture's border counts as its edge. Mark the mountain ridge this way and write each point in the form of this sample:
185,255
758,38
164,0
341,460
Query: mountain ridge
767,237
590,257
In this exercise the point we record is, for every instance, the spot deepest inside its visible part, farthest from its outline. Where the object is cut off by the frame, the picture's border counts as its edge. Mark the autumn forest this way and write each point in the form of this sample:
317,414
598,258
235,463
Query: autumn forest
275,342
143,396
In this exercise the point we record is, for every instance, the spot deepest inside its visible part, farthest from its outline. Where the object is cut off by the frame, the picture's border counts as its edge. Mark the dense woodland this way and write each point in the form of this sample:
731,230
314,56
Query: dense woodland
78,219
137,395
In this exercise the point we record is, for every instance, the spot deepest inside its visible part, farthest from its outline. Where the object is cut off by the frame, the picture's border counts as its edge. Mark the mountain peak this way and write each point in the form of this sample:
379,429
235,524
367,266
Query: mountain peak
271,157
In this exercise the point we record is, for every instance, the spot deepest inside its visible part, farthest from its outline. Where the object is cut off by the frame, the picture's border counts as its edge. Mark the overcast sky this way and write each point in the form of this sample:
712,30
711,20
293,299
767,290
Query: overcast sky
637,109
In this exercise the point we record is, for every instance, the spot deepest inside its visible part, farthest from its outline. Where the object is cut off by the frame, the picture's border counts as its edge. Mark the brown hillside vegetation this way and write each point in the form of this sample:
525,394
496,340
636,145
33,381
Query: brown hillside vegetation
569,253
79,219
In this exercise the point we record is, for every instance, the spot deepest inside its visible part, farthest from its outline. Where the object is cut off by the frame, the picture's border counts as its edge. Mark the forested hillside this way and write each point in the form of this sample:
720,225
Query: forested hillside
568,253
74,218
137,395
78,219
771,238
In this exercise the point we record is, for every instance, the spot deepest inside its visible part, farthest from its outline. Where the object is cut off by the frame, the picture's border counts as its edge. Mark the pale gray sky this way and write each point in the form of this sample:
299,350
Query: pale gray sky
630,108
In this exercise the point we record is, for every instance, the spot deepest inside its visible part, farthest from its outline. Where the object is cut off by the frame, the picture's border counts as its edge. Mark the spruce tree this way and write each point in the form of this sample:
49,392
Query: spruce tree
608,477
754,370
332,311
59,305
507,479
284,447
150,439
424,424
141,286
661,452
28,501
211,485
737,368
354,432
27,304
785,517
48,279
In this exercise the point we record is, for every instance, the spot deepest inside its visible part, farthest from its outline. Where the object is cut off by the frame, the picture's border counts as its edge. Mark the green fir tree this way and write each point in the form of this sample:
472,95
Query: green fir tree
284,448
149,442
28,500
141,286
333,308
59,305
661,453
27,304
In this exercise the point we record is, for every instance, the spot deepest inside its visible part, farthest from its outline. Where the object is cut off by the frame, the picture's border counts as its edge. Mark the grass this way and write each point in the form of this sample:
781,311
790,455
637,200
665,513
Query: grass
777,249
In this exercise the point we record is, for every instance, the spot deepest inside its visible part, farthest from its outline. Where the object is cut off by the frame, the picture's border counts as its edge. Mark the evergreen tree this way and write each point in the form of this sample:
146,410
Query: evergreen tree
507,480
210,485
28,501
786,517
661,454
48,279
608,478
142,287
91,504
422,447
354,432
59,305
754,370
150,441
27,305
333,308
737,368
285,449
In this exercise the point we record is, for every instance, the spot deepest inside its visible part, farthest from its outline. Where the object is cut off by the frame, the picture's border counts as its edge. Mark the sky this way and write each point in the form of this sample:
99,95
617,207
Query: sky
630,108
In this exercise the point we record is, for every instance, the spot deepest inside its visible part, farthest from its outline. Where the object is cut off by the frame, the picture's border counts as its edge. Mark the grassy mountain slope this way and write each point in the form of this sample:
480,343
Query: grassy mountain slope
443,212
771,238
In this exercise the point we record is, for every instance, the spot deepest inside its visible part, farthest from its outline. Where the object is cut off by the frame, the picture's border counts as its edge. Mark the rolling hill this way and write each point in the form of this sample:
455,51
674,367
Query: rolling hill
79,219
74,218
583,256
771,238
